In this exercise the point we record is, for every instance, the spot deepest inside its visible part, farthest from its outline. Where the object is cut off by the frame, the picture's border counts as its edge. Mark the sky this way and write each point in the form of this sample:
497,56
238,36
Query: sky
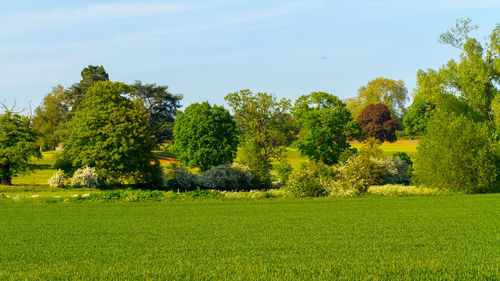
207,49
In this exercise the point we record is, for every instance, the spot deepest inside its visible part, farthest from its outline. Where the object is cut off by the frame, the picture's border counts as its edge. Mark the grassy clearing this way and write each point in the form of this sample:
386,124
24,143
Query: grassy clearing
414,238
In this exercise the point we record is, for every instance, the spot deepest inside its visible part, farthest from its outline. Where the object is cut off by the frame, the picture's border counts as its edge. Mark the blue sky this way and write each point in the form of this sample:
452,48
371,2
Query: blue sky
206,49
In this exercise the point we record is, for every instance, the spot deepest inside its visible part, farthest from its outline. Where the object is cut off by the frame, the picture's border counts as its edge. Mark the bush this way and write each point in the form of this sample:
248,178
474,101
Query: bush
356,175
401,190
251,155
395,170
57,180
283,169
184,180
456,153
310,180
86,177
224,177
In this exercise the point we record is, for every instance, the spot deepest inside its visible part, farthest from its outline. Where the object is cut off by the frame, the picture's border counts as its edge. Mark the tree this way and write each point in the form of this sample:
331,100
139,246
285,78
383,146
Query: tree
326,124
456,153
390,92
17,146
417,116
162,108
265,128
50,117
468,86
205,136
110,132
376,121
90,75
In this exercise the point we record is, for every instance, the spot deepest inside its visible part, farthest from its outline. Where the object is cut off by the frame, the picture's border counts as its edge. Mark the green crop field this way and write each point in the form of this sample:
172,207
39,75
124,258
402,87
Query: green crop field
455,237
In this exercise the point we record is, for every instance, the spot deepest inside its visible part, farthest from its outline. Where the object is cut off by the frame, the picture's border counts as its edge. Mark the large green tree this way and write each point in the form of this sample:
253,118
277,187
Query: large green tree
392,93
205,136
51,116
110,132
263,119
467,86
325,126
17,146
162,108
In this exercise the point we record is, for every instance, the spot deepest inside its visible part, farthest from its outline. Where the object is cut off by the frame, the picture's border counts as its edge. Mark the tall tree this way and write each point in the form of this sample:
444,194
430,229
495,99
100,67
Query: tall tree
467,86
110,132
50,117
162,108
376,121
205,136
326,124
17,146
90,75
390,92
262,118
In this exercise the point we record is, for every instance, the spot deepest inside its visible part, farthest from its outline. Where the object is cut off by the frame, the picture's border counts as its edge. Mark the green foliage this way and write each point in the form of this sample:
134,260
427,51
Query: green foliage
161,106
396,170
371,148
417,116
205,136
356,175
263,120
456,153
325,125
183,180
283,170
252,156
376,121
390,92
50,118
110,132
310,180
17,146
90,75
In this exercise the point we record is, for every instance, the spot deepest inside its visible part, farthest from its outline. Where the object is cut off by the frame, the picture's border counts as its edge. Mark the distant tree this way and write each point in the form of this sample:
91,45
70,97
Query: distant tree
326,124
110,132
265,127
457,153
90,75
17,146
417,116
205,136
162,108
50,117
376,121
390,92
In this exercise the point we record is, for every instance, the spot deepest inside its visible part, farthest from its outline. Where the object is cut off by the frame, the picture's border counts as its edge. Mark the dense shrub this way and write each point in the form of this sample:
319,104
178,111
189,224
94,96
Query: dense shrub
310,180
283,170
86,177
456,153
252,156
225,177
356,175
183,179
395,170
57,180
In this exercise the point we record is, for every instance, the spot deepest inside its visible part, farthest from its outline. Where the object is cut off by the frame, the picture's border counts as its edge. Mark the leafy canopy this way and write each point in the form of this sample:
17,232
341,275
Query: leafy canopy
205,136
325,125
376,121
17,146
110,132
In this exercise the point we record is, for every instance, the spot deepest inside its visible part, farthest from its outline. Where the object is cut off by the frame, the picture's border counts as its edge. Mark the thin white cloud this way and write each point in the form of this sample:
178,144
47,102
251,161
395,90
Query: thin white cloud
36,20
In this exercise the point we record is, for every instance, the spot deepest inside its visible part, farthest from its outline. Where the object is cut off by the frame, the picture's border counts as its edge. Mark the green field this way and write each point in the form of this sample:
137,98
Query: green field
415,238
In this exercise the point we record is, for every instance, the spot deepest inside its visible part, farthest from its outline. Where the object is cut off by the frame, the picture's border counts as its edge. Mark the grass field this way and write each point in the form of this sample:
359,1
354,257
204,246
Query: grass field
414,238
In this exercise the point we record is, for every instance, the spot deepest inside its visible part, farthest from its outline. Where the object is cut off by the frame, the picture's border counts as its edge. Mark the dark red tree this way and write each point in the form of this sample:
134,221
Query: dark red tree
376,121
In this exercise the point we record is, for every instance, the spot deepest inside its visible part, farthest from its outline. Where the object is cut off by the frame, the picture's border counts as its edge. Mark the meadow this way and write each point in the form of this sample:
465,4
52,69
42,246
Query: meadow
453,237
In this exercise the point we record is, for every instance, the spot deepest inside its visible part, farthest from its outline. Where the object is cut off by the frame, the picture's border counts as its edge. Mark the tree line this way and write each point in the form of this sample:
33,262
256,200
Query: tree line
114,127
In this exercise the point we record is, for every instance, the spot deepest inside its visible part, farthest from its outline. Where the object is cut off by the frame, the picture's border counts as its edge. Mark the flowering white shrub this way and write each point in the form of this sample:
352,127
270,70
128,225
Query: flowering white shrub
401,190
86,177
57,180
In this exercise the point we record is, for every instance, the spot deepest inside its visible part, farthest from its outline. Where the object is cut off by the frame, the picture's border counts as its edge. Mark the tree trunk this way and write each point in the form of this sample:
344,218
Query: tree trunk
6,181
